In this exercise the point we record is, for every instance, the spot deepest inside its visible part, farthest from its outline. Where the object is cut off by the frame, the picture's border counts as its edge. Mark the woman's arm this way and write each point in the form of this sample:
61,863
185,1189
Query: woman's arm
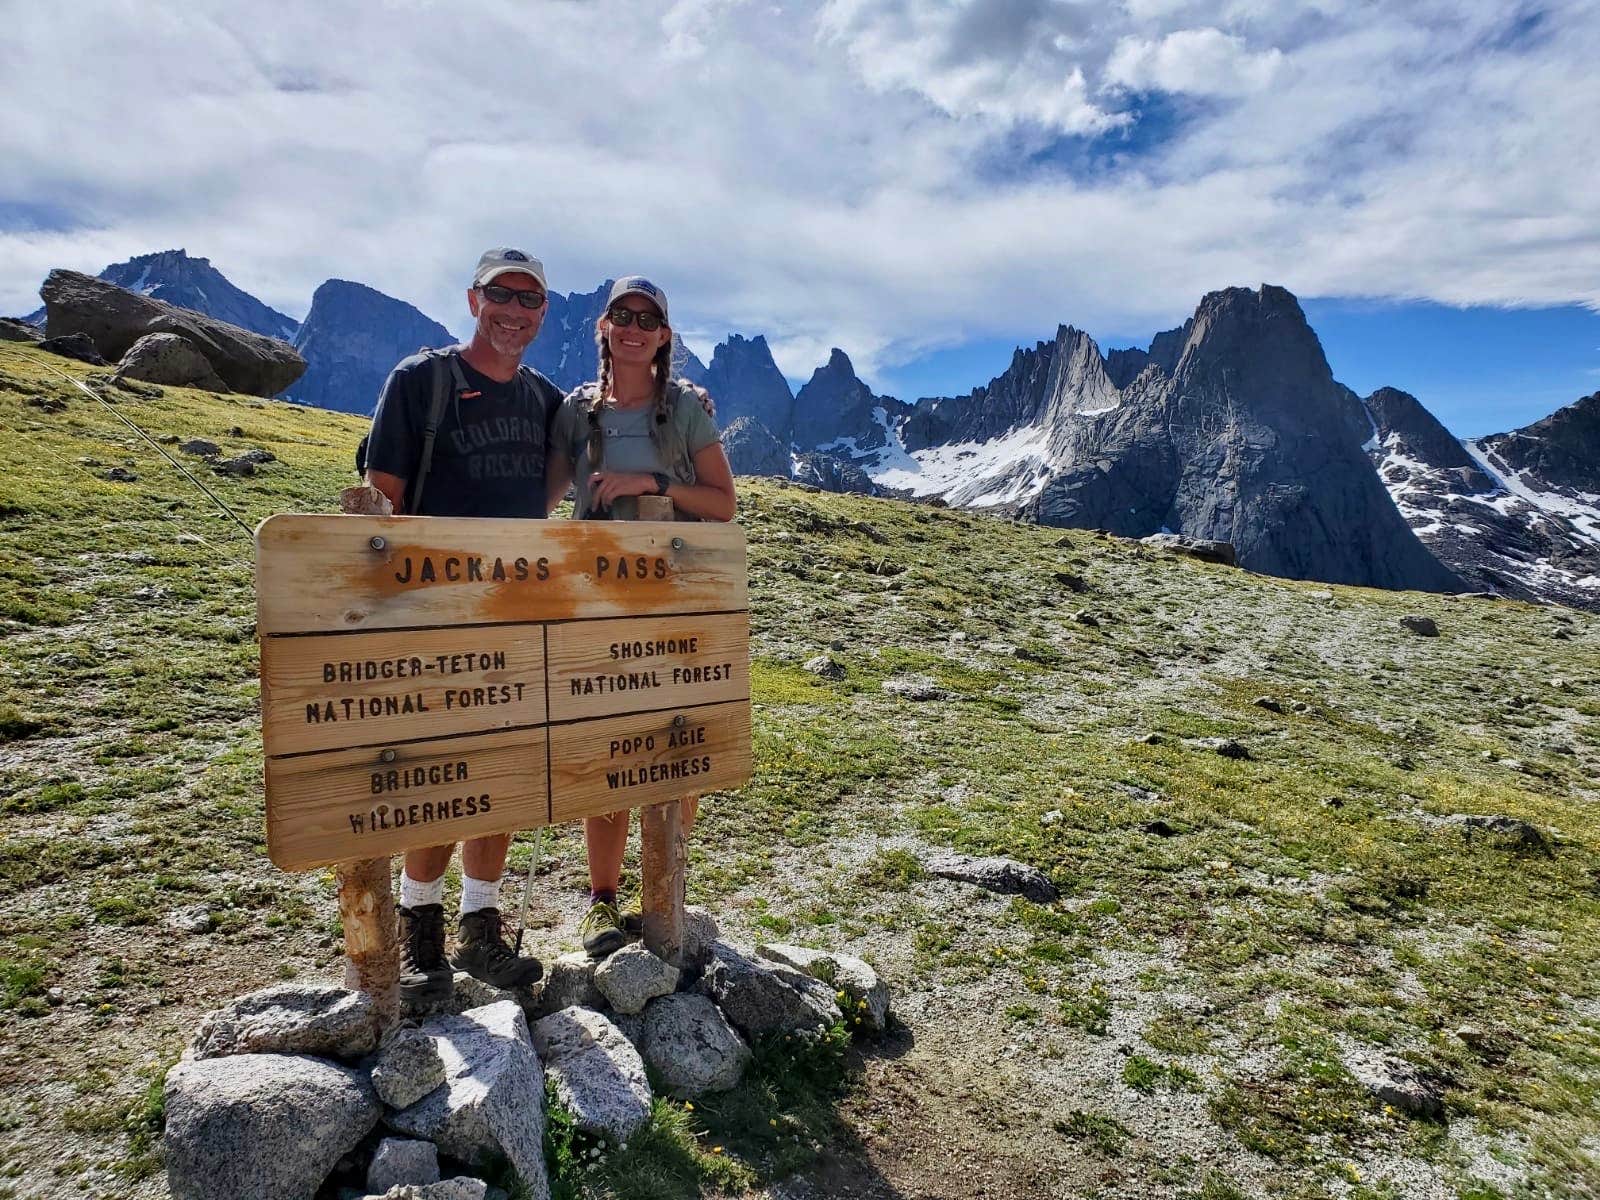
558,478
710,498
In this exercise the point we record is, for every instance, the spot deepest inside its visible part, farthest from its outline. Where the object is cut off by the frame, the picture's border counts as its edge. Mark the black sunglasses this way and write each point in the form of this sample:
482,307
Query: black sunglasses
623,317
496,294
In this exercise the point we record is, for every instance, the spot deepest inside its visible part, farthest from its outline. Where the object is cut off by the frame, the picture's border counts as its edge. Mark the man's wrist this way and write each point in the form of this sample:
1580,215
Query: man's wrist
662,483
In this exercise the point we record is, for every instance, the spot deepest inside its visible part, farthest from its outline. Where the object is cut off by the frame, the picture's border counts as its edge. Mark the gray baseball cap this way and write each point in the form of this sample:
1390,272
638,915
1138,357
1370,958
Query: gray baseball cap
502,260
638,285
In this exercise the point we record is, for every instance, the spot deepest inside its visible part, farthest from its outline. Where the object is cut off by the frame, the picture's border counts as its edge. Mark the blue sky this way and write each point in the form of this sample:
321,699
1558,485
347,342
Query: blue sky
923,183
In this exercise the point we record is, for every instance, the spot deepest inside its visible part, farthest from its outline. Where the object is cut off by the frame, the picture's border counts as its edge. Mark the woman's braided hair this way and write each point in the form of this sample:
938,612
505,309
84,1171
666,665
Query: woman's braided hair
661,371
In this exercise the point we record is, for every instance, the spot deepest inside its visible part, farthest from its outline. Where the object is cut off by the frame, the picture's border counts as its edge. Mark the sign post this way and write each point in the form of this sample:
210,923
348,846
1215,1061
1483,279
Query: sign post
429,680
663,855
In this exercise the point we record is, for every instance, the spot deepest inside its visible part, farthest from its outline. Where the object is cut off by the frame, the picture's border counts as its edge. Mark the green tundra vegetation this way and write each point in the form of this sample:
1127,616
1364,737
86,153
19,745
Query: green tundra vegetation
1236,929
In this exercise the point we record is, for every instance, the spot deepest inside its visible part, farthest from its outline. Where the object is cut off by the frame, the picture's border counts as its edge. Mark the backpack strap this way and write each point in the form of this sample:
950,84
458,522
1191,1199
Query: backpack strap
448,381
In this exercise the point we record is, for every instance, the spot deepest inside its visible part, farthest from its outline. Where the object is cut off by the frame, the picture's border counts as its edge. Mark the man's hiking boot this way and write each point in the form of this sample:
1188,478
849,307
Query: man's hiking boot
425,976
601,929
483,952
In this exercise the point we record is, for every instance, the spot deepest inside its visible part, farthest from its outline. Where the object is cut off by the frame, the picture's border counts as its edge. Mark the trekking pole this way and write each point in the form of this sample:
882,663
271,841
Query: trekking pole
527,888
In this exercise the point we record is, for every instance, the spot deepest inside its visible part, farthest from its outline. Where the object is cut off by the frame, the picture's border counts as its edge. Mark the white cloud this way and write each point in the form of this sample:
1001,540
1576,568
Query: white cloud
885,177
1201,62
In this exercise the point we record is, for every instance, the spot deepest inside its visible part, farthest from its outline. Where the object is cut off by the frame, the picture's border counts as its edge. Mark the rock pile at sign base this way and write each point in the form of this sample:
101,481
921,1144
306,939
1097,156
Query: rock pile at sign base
259,1106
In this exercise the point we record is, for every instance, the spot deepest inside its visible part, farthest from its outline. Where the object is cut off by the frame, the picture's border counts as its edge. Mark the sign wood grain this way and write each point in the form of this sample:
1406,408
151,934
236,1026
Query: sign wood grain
428,680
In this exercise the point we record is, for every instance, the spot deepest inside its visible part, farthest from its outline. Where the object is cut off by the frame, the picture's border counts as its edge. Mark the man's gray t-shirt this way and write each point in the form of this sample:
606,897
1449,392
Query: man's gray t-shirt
628,446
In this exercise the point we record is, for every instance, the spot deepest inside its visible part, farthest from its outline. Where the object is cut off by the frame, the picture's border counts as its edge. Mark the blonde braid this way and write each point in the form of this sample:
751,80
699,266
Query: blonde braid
662,366
602,389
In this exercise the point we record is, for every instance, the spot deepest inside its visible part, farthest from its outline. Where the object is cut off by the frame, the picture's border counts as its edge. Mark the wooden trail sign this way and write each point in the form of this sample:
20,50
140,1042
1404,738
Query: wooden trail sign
425,680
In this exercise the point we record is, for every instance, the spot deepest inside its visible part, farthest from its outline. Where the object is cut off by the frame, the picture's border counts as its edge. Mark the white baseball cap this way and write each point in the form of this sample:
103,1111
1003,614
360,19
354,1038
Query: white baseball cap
638,285
502,260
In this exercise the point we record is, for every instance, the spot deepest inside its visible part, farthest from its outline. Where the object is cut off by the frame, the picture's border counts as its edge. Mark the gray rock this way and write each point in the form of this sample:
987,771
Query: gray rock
597,1071
291,1018
167,358
201,447
492,1101
1268,703
867,996
194,919
462,1187
691,1046
1205,549
407,1069
568,983
13,330
1421,626
1397,1082
77,346
261,1125
762,998
913,687
1003,875
114,319
1225,746
402,1161
826,666
1508,831
700,931
234,466
632,977
121,475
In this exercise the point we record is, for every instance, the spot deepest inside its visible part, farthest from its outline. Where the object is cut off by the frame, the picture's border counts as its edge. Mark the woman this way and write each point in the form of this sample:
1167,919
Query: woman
633,433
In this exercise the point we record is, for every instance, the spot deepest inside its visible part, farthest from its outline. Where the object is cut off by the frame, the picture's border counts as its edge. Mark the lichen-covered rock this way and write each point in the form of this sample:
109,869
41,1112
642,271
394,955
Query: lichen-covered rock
632,977
462,1187
291,1018
407,1069
569,983
597,1072
690,1044
400,1162
866,997
762,998
492,1100
994,874
261,1125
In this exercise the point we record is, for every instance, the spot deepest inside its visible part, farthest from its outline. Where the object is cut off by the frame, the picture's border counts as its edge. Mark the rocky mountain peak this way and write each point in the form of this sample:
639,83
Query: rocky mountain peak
1561,451
351,340
747,383
834,404
1403,425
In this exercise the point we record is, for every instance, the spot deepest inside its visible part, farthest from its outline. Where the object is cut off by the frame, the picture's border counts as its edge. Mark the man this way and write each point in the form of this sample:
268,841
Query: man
488,460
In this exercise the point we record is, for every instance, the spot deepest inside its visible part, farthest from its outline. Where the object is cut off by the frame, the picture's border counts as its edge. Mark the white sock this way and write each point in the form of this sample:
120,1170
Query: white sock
414,894
479,893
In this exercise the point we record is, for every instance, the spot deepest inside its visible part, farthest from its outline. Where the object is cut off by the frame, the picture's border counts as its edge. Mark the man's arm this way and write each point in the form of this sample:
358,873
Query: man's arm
392,486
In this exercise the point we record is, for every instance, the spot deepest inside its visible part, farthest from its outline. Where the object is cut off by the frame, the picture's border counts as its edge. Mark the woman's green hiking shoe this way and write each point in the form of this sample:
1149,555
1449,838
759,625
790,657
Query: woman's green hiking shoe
601,929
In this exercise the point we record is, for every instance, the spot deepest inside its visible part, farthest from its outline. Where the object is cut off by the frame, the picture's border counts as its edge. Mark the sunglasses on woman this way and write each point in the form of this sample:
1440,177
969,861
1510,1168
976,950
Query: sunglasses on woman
623,317
496,294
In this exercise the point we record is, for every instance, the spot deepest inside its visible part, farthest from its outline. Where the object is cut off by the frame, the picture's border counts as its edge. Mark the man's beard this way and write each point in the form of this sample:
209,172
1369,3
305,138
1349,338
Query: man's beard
505,341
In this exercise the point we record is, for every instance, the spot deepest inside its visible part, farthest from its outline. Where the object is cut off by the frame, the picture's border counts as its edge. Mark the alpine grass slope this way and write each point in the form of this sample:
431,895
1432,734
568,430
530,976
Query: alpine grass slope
1252,794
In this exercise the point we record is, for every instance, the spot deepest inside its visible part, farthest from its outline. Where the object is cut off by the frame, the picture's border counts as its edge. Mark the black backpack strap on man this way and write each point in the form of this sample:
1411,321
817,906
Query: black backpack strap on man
448,381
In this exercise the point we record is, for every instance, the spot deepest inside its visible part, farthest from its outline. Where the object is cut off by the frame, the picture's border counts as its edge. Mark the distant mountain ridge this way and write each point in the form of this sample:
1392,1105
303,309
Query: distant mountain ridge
1230,427
193,283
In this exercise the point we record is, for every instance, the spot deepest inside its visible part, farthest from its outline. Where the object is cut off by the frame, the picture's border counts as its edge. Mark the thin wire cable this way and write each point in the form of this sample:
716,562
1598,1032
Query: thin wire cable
220,551
110,408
